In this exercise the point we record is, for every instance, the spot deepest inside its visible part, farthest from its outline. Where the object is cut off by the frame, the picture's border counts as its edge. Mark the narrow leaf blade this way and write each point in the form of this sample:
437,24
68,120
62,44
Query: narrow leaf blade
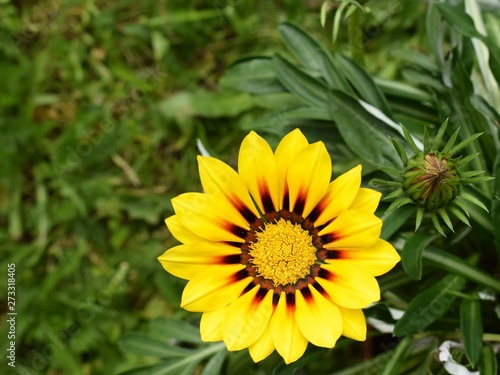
411,257
362,132
429,305
472,329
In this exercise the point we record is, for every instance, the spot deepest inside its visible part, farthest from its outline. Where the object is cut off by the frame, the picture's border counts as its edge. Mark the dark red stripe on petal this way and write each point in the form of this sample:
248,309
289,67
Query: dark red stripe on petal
313,216
265,196
248,288
261,294
241,207
325,274
240,275
245,212
320,289
329,237
234,244
300,203
306,293
286,198
290,299
276,298
236,230
324,254
229,259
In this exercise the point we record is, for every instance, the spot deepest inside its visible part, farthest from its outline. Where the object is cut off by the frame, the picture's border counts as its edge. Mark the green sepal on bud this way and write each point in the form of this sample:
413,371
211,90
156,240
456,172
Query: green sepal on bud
431,179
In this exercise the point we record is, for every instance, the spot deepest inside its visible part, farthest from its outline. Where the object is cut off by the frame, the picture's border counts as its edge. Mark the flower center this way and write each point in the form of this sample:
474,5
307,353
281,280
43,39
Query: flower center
283,252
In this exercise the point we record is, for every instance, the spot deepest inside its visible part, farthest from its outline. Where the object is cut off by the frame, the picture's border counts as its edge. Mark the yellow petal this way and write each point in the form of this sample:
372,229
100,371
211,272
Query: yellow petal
319,319
375,260
348,286
247,318
257,167
180,232
215,288
185,261
285,153
367,200
352,228
308,178
339,196
289,342
354,323
220,180
209,217
263,347
211,324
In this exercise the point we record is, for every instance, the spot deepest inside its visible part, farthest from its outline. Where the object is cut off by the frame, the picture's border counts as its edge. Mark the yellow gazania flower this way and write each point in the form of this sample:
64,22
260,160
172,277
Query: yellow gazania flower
277,255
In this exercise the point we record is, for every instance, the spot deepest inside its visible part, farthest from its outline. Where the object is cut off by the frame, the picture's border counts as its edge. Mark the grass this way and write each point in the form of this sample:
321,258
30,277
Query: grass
102,103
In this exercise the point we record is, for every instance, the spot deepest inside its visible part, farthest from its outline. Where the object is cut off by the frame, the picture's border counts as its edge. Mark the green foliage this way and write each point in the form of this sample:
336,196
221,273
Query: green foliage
102,104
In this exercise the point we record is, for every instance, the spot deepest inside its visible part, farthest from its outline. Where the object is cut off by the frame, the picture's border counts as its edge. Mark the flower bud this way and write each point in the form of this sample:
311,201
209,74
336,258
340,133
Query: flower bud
431,180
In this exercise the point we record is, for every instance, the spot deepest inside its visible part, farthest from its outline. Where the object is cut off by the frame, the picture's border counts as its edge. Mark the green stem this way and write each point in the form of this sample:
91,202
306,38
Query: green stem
491,337
457,266
356,37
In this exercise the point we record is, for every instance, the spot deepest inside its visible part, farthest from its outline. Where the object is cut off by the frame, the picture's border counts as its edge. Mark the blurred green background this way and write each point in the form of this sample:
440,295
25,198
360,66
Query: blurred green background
101,105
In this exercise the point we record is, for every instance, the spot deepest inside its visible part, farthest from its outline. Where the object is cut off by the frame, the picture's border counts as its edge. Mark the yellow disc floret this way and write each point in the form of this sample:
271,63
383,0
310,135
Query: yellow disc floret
283,252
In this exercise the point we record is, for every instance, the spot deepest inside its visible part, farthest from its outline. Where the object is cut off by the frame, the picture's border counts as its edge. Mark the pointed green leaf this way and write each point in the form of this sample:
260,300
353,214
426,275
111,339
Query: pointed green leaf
303,46
464,143
460,204
427,142
184,366
363,83
450,142
411,256
495,202
395,220
254,75
464,161
438,226
439,136
444,215
488,361
400,202
458,20
494,59
434,32
400,150
473,200
390,171
470,174
396,360
471,327
214,364
429,305
476,180
451,263
300,84
180,330
455,211
332,75
143,344
363,133
403,90
410,141
419,217
396,193
482,106
376,182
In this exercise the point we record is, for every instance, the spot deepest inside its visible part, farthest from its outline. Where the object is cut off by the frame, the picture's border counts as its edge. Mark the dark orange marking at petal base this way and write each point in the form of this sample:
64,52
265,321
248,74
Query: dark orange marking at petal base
265,196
